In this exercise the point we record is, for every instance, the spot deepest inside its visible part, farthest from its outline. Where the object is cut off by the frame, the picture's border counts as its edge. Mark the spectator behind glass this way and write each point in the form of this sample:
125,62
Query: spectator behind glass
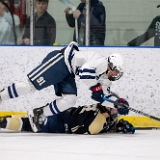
45,26
6,24
97,22
152,31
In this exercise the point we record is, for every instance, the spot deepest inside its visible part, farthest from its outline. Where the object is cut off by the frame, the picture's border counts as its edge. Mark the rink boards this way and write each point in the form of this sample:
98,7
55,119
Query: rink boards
140,85
137,121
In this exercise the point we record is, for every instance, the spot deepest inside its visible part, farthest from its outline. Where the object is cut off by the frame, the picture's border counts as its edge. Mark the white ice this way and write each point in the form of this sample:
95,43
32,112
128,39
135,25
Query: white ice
143,145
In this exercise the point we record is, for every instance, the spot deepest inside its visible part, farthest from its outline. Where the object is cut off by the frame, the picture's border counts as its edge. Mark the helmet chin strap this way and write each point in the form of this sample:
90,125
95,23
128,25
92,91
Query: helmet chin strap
107,71
112,78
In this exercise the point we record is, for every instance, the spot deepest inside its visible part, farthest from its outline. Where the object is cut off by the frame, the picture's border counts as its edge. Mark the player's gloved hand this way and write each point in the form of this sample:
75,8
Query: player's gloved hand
122,110
125,127
97,93
102,109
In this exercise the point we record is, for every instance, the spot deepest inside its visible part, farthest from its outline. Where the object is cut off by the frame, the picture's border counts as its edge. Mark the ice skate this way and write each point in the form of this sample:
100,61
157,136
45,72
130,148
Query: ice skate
36,118
3,122
0,100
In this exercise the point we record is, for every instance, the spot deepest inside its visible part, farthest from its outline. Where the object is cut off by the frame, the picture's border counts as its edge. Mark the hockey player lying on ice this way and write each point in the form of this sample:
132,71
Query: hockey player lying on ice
92,119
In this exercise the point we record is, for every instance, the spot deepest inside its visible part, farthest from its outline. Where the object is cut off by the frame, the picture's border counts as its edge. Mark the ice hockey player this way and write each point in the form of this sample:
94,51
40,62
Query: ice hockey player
92,119
60,67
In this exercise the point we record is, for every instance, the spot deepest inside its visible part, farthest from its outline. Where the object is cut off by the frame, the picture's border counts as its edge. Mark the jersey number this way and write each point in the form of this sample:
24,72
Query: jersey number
41,80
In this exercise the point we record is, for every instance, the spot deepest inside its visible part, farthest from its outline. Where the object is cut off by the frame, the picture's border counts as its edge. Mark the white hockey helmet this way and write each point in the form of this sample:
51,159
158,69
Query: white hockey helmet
116,62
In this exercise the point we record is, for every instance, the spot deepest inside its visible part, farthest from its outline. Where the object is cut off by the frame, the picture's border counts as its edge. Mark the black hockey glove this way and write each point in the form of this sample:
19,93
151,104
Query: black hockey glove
97,93
125,127
102,109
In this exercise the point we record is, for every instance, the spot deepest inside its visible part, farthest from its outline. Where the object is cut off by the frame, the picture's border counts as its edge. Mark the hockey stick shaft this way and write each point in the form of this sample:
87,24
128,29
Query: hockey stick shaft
76,29
131,109
70,5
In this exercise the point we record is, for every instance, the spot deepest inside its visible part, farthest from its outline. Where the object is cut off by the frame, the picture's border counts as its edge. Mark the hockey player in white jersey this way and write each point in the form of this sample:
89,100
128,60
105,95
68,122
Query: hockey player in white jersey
59,69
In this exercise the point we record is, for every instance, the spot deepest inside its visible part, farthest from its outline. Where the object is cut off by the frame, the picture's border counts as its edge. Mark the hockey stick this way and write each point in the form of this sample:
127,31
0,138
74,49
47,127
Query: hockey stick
70,5
131,109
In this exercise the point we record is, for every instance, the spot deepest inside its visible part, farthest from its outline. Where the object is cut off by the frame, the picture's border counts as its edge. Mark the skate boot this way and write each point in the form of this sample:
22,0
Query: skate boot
0,100
3,122
36,118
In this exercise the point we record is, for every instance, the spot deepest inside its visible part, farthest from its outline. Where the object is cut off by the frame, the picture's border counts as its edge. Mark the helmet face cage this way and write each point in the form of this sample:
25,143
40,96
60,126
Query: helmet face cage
114,78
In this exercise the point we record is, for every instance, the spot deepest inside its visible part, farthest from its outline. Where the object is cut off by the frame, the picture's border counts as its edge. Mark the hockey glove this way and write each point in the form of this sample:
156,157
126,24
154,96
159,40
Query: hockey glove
122,110
125,127
97,93
102,109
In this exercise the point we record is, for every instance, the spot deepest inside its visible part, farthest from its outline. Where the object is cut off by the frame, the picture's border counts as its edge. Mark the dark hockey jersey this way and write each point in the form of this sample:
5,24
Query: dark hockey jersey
88,120
82,120
152,31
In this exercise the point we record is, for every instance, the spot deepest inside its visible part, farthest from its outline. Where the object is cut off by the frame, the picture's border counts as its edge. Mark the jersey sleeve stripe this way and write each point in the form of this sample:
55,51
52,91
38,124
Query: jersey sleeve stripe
53,107
9,92
87,70
87,77
14,90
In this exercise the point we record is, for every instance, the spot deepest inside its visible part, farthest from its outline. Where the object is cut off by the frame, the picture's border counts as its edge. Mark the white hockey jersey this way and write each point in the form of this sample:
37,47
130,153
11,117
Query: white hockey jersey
89,66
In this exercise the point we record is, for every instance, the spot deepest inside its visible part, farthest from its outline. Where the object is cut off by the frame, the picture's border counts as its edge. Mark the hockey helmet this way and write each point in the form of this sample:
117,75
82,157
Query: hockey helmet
116,62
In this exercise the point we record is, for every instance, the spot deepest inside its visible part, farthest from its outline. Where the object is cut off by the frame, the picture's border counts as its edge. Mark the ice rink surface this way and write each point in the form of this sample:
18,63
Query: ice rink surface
143,145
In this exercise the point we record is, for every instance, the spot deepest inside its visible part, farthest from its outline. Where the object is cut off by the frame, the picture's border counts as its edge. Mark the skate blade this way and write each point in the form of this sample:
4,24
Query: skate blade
31,116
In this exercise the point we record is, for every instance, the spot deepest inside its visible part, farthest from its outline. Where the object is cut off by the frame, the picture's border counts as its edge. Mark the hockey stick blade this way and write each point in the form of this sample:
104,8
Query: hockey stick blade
68,4
131,109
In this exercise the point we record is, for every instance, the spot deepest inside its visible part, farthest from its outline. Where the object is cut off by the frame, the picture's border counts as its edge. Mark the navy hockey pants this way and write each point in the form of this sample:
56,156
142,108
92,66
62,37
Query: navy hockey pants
53,71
